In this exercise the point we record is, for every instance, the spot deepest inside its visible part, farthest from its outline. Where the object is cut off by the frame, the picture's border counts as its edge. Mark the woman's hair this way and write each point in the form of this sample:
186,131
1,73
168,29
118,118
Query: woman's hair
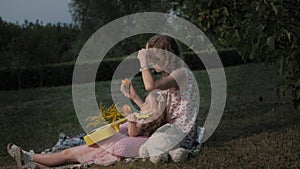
166,43
169,44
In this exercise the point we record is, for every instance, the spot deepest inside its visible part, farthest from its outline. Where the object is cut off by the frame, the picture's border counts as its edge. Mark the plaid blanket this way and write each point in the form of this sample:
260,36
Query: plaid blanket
65,142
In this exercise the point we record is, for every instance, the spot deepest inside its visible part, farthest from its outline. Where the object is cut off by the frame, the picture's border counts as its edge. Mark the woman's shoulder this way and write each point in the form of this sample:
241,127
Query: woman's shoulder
181,73
182,69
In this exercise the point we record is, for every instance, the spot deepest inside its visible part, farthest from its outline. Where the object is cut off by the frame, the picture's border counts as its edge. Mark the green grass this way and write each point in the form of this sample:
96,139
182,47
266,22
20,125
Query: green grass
256,131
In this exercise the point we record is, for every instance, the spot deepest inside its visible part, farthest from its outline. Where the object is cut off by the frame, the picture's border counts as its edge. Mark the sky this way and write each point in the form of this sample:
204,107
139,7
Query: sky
47,11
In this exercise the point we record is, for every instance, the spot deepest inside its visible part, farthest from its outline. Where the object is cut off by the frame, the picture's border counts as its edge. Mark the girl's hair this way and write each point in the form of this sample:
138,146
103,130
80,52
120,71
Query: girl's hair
169,44
149,128
159,116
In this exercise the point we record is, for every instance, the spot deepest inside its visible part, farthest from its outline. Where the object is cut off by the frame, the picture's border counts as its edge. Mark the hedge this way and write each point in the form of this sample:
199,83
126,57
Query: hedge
57,75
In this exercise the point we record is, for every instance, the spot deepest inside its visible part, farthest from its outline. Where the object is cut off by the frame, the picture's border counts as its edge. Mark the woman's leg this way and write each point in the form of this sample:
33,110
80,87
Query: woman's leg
55,159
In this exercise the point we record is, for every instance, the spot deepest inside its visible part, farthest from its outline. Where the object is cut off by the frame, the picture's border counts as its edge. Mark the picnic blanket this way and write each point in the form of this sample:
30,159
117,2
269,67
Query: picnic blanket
65,142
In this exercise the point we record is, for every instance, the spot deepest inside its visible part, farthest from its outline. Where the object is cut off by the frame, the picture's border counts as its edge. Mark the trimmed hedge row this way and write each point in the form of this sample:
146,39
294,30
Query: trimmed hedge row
228,58
62,74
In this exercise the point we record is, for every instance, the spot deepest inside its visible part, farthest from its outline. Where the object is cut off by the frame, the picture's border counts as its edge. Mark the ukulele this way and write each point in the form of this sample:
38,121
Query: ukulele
109,130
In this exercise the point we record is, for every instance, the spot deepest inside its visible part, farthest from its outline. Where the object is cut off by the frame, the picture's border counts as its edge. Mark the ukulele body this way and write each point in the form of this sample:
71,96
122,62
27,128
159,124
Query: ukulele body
109,130
103,132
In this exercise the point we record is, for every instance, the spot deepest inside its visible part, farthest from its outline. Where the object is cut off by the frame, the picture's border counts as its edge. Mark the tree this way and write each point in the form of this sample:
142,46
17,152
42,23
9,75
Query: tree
266,30
91,15
12,54
34,46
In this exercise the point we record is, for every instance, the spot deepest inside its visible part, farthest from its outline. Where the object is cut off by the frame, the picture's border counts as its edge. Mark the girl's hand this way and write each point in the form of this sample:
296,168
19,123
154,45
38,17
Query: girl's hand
124,91
131,93
131,117
126,109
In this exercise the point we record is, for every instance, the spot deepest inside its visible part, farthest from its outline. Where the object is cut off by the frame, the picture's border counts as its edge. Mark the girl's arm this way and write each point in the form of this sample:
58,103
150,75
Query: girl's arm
135,97
138,101
133,130
132,94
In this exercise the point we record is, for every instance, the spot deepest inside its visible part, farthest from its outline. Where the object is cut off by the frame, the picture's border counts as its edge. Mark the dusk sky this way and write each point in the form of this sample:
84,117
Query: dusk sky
52,11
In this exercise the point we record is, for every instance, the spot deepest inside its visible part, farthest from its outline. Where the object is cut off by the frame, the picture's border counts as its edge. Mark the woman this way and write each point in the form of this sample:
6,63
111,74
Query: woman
178,86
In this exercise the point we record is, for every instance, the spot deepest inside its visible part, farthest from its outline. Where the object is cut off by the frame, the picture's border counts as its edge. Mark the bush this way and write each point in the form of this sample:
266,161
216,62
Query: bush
56,75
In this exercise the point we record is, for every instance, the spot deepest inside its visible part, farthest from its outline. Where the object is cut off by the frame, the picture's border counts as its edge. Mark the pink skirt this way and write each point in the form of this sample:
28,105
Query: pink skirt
110,150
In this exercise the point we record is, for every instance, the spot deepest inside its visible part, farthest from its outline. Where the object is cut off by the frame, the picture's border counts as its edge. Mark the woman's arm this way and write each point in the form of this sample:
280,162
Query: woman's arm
163,83
150,83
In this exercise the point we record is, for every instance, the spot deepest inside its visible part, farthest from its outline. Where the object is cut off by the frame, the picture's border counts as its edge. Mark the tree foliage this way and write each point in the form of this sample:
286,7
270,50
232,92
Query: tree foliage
35,45
93,14
266,30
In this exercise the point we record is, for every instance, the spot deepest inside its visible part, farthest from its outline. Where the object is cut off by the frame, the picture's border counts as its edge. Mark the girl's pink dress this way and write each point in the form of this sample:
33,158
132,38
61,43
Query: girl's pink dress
181,108
110,150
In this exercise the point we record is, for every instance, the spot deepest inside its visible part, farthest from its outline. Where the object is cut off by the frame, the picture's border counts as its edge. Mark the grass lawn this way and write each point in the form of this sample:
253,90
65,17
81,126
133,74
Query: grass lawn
257,129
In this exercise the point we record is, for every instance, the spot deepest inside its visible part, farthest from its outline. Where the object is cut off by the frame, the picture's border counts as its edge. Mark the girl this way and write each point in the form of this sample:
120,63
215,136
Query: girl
155,116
